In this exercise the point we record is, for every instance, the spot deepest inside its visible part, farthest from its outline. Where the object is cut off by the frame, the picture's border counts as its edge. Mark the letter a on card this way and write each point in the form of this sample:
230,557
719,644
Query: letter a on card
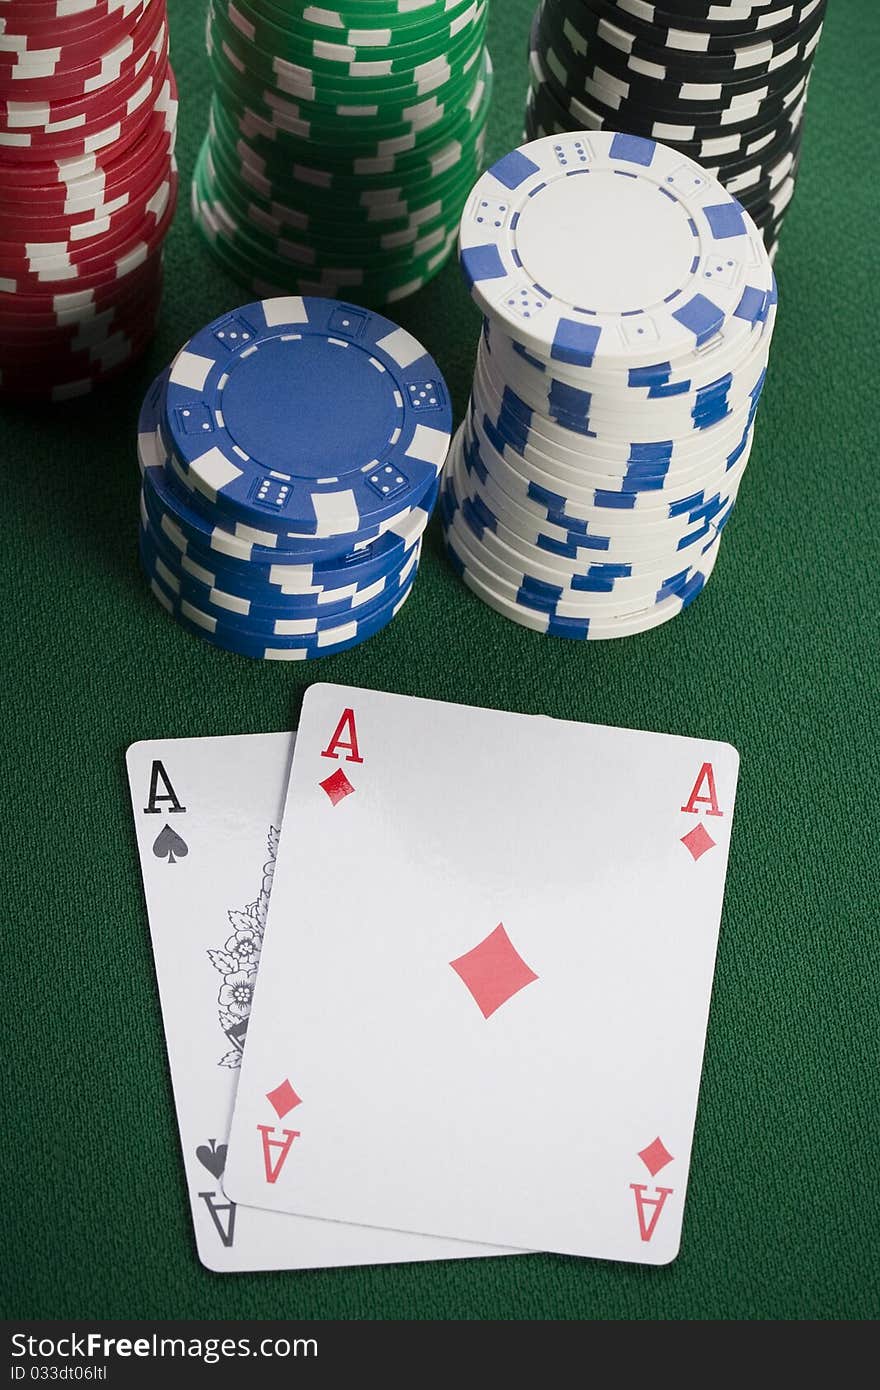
706,775
274,1165
158,774
647,1228
223,1216
346,724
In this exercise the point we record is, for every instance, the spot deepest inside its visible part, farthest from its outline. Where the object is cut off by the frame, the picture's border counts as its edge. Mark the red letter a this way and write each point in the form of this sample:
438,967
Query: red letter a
337,741
658,1202
273,1170
708,776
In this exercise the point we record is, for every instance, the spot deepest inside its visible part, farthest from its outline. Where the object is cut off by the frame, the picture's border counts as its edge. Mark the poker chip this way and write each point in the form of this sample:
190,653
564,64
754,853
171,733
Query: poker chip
290,459
629,306
725,85
88,189
319,119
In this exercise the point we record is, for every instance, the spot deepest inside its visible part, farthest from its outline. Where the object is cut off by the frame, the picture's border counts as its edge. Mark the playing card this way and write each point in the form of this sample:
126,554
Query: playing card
207,813
486,977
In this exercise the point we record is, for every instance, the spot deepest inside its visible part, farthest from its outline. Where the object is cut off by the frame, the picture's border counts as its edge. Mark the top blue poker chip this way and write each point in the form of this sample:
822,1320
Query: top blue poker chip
307,416
612,251
309,566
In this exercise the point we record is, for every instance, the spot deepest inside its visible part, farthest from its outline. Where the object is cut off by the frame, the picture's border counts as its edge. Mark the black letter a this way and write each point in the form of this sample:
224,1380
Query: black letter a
226,1231
153,809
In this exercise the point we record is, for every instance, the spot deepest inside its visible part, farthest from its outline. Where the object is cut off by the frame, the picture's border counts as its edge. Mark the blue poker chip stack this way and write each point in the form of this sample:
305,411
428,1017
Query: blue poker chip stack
629,304
722,81
290,460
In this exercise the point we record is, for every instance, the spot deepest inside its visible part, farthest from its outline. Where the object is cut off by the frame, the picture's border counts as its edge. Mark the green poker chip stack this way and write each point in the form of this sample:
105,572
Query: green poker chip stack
342,144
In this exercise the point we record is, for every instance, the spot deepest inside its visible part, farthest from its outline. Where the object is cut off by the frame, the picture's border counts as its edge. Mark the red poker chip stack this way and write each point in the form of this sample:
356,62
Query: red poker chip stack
88,188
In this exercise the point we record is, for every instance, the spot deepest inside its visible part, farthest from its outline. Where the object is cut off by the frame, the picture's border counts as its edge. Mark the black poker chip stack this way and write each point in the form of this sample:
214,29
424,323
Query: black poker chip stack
725,83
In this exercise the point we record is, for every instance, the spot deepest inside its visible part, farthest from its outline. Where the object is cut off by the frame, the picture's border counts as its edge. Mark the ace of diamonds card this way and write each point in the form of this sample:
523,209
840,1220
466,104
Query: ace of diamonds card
486,976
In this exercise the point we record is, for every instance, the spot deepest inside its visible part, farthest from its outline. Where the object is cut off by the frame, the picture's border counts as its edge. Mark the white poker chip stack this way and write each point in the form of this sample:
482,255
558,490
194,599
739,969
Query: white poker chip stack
629,305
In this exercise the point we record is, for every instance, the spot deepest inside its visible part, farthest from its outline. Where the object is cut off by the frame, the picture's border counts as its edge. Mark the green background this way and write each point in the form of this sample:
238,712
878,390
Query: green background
778,656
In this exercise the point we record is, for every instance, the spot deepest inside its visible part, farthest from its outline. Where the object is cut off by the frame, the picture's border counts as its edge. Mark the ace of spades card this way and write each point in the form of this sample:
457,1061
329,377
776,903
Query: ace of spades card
208,889
486,976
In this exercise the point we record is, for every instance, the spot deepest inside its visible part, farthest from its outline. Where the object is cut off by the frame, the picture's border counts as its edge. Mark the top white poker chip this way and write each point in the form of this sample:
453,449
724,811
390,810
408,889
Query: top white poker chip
605,250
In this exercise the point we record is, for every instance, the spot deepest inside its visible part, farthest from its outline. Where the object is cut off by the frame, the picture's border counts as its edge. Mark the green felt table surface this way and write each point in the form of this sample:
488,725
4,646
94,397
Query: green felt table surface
778,656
